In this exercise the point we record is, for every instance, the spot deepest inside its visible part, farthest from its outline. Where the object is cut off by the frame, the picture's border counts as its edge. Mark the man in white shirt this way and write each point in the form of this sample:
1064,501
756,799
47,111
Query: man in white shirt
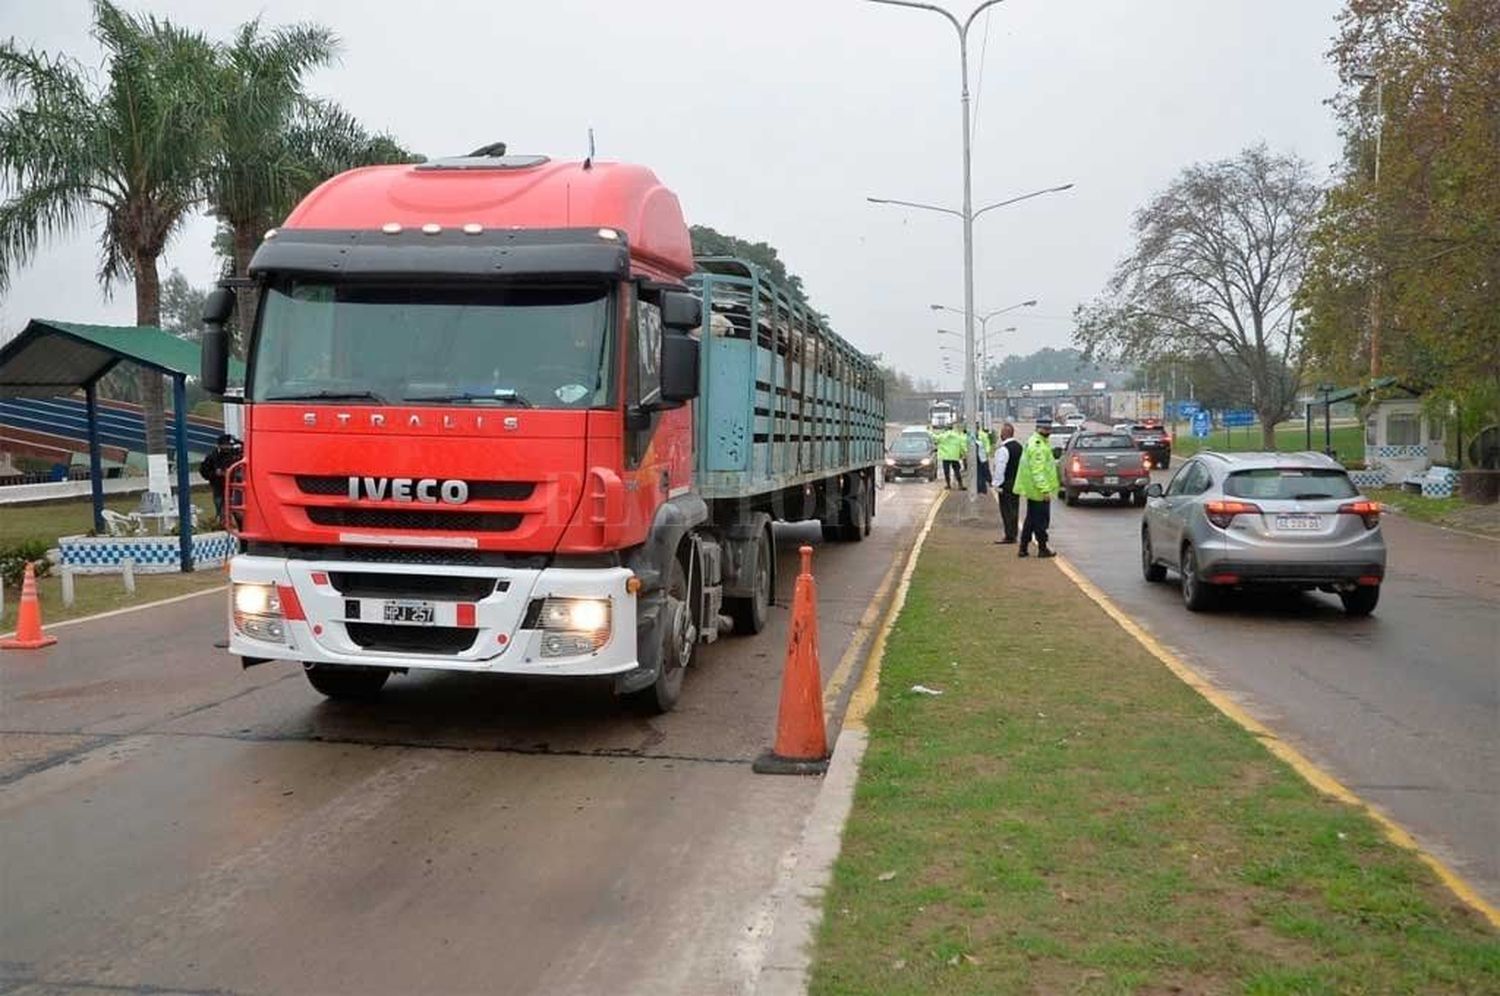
1003,465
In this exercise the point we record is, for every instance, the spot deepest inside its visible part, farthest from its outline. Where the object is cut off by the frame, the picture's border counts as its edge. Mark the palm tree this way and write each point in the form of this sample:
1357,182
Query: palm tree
134,147
275,143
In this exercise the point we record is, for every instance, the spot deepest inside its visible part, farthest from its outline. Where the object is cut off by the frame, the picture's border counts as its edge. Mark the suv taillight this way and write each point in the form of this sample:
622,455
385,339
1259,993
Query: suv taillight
1221,513
1076,467
1367,510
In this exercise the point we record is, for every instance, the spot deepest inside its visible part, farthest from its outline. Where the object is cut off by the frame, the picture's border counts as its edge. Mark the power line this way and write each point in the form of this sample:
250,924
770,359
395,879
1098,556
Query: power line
984,49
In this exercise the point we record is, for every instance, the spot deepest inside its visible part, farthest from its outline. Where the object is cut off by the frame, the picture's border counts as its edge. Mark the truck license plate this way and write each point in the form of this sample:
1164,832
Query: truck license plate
1111,480
1294,522
412,613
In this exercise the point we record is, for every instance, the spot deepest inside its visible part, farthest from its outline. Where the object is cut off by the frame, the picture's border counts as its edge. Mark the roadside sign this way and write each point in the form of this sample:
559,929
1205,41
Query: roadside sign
1200,424
1238,417
1187,409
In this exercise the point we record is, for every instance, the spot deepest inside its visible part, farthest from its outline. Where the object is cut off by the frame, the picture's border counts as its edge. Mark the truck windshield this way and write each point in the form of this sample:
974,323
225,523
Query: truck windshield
542,347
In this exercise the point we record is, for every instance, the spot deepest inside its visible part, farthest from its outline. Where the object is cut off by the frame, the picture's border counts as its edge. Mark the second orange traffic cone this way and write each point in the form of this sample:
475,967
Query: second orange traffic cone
801,739
29,635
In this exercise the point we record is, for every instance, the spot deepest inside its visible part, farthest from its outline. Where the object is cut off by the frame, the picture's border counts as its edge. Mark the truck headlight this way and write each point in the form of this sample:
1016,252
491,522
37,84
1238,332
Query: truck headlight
258,611
573,626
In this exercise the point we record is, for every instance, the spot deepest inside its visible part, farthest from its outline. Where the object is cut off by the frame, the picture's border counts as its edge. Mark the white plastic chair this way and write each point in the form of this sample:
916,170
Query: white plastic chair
117,524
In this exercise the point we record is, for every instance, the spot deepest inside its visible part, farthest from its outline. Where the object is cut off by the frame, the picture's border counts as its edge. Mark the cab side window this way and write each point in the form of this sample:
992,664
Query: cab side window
642,369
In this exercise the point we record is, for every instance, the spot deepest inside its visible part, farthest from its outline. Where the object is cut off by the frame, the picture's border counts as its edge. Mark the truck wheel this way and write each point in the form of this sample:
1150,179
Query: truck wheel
339,682
679,639
750,613
857,514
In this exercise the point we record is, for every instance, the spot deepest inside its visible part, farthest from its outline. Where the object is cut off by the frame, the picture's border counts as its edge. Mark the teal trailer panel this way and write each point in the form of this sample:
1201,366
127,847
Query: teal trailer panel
785,400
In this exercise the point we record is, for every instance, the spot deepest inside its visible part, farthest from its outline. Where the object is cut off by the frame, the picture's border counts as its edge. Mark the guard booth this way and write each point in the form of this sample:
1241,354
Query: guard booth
50,358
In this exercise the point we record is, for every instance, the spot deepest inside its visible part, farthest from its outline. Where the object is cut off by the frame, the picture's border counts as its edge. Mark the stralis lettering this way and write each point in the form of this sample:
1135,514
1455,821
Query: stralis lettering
426,489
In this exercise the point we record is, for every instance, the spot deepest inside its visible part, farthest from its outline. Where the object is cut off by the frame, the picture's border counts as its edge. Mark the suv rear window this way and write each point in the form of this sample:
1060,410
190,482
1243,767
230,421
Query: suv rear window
1113,441
1289,483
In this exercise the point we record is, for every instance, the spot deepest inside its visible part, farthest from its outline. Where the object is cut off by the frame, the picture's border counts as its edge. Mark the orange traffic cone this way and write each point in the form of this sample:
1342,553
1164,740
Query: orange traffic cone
29,635
801,739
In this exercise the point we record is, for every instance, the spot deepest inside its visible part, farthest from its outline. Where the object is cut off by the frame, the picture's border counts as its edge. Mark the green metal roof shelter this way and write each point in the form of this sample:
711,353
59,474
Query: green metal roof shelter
52,357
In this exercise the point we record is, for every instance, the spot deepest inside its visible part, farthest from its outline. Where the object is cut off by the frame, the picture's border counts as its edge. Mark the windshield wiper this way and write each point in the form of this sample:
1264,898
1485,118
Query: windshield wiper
500,398
329,396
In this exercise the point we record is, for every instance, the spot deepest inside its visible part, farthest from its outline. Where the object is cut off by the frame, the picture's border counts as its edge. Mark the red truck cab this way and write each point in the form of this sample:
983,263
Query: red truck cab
466,392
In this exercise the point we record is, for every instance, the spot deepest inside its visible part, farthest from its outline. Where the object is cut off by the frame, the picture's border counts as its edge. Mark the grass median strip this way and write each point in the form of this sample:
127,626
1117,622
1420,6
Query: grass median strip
1068,816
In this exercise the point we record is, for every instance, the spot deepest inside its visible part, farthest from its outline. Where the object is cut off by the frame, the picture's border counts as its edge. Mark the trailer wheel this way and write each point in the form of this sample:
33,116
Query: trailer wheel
338,682
751,612
679,639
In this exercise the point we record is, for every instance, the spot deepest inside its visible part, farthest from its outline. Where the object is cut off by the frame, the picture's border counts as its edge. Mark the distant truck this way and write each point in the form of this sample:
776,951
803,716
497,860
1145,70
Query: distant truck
1133,406
499,420
940,415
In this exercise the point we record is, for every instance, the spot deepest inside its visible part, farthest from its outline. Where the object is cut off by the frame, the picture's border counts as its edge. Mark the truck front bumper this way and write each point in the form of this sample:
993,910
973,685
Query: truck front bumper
488,619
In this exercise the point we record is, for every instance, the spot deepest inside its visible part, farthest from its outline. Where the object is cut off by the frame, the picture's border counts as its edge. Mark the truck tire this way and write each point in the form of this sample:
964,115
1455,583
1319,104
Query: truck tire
339,682
679,640
751,612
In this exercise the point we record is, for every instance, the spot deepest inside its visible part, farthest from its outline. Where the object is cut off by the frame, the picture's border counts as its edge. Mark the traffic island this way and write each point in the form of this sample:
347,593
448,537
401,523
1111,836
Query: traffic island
1045,807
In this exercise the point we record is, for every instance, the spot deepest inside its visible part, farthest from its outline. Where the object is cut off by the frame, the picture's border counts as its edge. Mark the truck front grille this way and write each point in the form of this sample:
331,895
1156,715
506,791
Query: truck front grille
373,584
414,519
330,485
412,639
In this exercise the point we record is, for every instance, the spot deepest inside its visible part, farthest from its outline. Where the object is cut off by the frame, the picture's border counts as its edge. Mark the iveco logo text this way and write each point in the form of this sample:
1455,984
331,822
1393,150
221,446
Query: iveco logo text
426,489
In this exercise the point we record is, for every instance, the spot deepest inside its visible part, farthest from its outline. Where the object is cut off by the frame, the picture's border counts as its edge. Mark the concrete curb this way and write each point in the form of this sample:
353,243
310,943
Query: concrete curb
796,899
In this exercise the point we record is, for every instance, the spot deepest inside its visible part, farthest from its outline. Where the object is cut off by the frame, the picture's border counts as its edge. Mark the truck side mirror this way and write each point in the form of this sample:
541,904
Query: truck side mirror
679,366
213,370
681,310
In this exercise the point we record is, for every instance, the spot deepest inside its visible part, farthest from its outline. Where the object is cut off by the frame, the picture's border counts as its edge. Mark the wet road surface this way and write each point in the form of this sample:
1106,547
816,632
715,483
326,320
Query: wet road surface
171,824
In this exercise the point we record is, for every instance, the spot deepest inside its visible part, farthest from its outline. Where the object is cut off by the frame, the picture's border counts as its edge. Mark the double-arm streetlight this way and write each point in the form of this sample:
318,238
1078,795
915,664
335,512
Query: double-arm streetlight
968,214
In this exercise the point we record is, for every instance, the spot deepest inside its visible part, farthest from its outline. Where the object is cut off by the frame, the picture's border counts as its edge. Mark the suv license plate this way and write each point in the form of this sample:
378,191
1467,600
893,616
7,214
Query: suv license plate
1295,522
412,613
1111,480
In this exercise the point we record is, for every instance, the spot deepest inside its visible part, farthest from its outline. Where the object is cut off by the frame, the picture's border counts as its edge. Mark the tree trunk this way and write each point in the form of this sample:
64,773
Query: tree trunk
245,239
1268,430
148,312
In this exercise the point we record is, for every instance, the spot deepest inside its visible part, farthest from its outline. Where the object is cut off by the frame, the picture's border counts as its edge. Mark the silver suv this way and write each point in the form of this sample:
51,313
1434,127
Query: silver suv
1232,520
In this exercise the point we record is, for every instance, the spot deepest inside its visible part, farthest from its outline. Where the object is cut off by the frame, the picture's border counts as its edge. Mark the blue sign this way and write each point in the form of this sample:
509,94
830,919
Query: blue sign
1200,424
1238,417
1187,409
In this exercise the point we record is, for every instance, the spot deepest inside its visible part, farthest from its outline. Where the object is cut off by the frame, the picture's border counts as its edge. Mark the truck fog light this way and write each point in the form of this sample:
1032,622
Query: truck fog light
568,644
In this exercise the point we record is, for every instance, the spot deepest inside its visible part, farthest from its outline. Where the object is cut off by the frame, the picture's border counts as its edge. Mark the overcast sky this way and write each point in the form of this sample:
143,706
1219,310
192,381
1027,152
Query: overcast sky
775,120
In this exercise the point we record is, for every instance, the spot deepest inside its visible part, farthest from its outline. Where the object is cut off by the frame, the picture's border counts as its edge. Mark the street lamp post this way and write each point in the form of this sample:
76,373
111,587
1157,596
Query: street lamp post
970,387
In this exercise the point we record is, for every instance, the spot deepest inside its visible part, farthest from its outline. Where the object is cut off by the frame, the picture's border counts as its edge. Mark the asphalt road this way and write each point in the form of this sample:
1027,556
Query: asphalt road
1404,707
171,824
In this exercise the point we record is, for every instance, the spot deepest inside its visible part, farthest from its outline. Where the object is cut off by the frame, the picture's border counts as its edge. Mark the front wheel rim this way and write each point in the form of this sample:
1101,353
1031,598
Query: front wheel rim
1189,575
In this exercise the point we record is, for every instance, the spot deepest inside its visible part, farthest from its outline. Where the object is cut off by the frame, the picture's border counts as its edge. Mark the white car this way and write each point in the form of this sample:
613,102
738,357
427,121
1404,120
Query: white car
1076,418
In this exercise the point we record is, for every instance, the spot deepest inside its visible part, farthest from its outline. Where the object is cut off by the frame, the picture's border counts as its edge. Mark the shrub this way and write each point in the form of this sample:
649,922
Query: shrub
13,560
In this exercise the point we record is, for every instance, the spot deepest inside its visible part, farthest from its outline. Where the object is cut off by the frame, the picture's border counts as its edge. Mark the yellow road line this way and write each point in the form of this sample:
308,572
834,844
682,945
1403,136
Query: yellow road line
862,631
868,689
1316,776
